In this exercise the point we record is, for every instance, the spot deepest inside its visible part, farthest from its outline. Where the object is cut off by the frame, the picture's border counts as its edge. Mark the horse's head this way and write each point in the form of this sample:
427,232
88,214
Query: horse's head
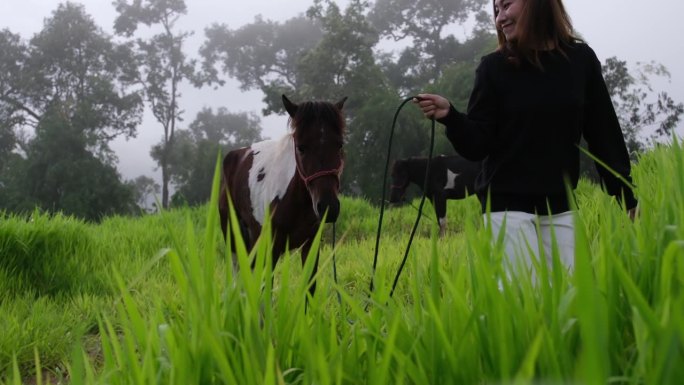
400,181
318,132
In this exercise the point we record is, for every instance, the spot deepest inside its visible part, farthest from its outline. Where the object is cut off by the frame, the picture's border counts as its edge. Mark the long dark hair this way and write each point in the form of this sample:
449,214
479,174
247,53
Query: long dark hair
542,24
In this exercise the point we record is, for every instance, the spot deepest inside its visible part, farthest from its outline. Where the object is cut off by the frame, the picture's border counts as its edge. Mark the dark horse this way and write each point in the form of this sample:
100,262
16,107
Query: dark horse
297,178
451,177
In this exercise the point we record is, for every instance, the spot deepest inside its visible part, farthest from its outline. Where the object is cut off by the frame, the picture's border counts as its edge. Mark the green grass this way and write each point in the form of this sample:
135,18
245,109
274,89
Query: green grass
153,300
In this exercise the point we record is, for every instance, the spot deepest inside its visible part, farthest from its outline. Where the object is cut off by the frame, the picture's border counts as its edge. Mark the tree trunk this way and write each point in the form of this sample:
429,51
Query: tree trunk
165,186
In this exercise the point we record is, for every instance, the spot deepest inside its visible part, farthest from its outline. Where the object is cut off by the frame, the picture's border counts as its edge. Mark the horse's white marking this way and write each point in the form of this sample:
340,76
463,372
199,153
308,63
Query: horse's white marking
276,161
451,179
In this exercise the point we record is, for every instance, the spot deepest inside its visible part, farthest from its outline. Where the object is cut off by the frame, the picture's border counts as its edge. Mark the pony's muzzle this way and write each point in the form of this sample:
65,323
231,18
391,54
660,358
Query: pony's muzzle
332,207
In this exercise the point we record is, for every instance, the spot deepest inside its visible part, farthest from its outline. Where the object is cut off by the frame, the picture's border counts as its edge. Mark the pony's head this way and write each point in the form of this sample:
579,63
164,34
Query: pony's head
318,133
400,181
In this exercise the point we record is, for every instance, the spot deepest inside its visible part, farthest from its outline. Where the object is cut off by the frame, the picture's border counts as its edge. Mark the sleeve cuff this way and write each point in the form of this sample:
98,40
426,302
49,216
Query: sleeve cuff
453,118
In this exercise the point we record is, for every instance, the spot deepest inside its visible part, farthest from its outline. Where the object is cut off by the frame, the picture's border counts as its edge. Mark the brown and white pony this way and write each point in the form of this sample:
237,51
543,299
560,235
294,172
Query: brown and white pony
296,177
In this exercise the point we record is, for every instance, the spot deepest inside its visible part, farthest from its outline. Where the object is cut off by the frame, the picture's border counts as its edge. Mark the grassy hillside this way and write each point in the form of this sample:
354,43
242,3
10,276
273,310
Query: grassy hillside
152,300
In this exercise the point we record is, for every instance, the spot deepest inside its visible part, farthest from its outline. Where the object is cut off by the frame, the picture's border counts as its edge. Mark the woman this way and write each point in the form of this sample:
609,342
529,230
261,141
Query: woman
532,101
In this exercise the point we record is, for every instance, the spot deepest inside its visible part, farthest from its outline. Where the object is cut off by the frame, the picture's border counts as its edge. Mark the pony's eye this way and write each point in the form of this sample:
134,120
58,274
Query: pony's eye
301,148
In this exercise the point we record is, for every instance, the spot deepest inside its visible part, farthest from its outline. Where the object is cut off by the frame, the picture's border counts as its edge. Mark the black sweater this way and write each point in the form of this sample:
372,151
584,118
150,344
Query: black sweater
526,124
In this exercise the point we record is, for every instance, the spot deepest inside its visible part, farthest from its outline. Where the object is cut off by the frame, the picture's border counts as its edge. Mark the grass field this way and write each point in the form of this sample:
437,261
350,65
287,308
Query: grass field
153,300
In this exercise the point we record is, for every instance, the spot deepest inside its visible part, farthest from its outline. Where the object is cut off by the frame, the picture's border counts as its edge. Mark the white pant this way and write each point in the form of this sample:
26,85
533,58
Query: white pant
522,237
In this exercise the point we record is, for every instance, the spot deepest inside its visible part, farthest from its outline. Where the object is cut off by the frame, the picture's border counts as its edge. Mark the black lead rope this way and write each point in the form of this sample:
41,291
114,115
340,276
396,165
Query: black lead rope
339,297
382,202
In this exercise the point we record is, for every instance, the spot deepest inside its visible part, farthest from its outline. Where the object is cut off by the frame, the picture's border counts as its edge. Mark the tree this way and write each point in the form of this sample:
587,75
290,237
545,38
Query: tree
74,67
145,191
68,85
425,29
263,55
13,191
644,120
7,142
192,163
12,57
162,66
60,174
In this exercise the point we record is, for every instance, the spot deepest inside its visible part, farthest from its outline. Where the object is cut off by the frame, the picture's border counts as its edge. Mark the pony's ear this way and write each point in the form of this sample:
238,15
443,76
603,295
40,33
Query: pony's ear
290,107
340,104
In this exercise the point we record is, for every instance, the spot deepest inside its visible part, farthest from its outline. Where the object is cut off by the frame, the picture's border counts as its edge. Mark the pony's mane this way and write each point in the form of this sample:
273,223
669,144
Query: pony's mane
311,112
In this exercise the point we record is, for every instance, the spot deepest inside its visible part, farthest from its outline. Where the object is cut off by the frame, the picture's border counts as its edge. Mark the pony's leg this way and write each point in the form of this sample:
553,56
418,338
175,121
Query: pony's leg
245,232
312,280
439,202
247,238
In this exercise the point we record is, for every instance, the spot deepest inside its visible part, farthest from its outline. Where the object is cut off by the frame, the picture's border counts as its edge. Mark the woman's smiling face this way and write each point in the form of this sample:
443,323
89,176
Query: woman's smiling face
506,16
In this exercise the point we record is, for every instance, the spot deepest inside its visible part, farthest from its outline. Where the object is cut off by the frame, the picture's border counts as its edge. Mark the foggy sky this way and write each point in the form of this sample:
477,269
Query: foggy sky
635,31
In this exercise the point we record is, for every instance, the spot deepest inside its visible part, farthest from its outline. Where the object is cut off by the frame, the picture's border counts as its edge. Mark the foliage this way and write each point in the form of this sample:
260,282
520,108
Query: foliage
182,315
342,62
56,279
46,255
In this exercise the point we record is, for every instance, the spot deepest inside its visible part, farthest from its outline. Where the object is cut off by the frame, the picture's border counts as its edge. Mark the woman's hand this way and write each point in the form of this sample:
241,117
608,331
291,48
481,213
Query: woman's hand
433,106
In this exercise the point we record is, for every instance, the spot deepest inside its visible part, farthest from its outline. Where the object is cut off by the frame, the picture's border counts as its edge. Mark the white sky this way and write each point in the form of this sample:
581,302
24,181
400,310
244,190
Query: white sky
635,31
